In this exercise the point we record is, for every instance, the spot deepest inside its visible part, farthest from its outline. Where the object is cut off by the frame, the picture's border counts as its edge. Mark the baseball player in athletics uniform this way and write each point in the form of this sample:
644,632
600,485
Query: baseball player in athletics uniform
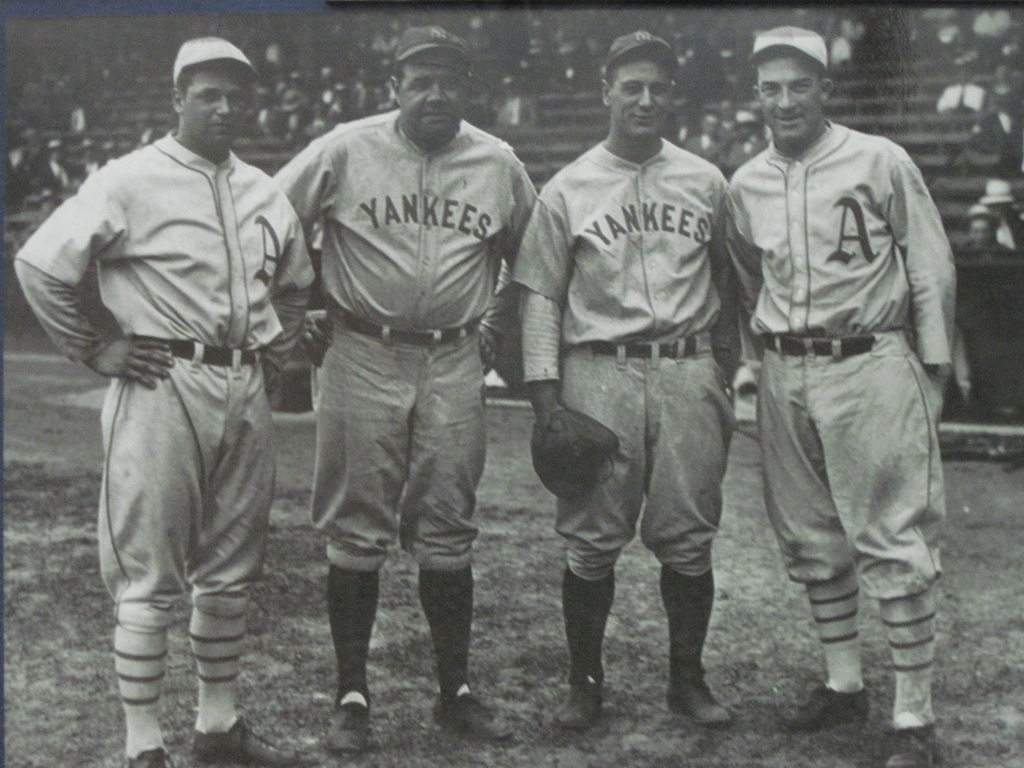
630,318
850,282
419,209
202,261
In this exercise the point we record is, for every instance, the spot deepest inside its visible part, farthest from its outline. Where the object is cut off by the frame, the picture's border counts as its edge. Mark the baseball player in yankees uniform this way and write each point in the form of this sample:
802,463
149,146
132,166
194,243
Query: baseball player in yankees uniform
630,318
419,210
202,261
849,279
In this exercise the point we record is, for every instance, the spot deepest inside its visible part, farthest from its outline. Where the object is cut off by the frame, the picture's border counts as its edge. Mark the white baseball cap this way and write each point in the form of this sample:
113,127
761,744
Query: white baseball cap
203,49
793,38
997,191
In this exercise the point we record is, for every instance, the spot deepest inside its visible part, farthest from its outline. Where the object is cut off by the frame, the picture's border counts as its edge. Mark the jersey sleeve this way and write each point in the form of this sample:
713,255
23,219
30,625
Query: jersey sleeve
921,239
745,257
544,261
296,269
56,305
77,232
309,181
725,339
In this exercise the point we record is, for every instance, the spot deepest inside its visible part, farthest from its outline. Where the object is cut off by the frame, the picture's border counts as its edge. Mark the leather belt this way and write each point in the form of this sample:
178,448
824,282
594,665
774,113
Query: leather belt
222,356
674,349
418,338
801,346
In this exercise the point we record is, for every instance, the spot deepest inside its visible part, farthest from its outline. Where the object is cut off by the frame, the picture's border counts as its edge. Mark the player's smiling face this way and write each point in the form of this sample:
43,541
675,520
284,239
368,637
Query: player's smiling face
638,97
792,93
210,110
430,99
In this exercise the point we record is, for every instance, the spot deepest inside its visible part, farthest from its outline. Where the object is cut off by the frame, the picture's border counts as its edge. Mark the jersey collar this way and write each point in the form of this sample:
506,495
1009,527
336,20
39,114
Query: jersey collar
613,160
418,149
172,147
833,136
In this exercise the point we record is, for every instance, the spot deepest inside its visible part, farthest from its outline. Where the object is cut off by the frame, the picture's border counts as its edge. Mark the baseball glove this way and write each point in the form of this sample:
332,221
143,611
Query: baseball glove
572,452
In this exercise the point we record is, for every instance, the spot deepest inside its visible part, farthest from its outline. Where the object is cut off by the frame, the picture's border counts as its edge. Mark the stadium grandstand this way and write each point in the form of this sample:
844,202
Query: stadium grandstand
947,84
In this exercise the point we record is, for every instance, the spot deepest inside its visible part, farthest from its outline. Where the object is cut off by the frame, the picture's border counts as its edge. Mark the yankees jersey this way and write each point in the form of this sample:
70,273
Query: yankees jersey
410,240
185,249
627,250
841,241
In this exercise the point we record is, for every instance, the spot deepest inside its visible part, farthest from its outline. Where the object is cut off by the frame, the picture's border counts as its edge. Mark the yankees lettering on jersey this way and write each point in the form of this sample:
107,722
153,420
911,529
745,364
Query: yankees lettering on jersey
610,233
410,240
844,240
450,214
650,217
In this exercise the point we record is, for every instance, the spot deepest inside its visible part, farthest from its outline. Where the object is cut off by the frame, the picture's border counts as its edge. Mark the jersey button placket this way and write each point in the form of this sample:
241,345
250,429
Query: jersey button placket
797,244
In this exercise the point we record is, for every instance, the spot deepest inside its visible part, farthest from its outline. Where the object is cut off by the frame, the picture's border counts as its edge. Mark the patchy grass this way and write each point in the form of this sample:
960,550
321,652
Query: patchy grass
60,694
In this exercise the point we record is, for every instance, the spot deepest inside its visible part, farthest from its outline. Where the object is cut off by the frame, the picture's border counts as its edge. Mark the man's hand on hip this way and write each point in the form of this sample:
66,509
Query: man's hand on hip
143,360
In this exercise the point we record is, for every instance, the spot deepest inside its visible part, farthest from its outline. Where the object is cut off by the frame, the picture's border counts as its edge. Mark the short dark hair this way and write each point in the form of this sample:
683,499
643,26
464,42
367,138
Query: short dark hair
219,66
640,54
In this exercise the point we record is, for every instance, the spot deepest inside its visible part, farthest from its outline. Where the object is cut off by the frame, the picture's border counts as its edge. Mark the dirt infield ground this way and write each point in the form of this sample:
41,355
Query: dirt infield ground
60,694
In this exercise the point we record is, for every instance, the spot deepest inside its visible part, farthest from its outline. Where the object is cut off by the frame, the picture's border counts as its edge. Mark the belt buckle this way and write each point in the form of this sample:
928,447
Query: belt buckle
236,360
435,336
837,349
809,346
385,334
198,352
655,356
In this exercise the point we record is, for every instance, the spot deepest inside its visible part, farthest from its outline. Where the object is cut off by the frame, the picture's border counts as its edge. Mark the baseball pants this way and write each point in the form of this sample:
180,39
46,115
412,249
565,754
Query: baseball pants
674,423
852,470
400,443
187,487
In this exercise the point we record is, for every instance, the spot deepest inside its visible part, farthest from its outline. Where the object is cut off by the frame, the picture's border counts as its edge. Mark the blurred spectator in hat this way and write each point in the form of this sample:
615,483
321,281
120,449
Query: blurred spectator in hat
999,199
991,29
982,226
25,165
513,109
747,140
998,135
294,107
56,179
707,141
841,47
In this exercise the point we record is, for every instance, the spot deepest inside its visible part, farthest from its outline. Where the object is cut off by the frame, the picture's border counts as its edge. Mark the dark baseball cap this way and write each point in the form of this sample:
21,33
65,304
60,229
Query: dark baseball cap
416,40
641,45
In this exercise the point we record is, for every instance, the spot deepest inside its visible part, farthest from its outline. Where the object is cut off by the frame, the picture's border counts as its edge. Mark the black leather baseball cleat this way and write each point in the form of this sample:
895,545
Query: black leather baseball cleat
581,709
827,708
696,701
349,733
240,745
914,748
151,758
467,715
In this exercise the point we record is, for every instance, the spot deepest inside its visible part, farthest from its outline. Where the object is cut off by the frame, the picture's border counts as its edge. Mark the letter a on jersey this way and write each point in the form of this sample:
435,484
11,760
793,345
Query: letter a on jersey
851,205
269,238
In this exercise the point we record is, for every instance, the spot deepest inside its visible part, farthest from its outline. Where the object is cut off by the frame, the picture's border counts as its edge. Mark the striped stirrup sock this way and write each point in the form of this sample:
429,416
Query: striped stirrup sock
217,648
834,608
140,661
910,628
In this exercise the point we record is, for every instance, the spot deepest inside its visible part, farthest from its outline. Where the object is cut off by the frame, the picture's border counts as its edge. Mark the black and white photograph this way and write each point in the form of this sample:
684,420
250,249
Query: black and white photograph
404,384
